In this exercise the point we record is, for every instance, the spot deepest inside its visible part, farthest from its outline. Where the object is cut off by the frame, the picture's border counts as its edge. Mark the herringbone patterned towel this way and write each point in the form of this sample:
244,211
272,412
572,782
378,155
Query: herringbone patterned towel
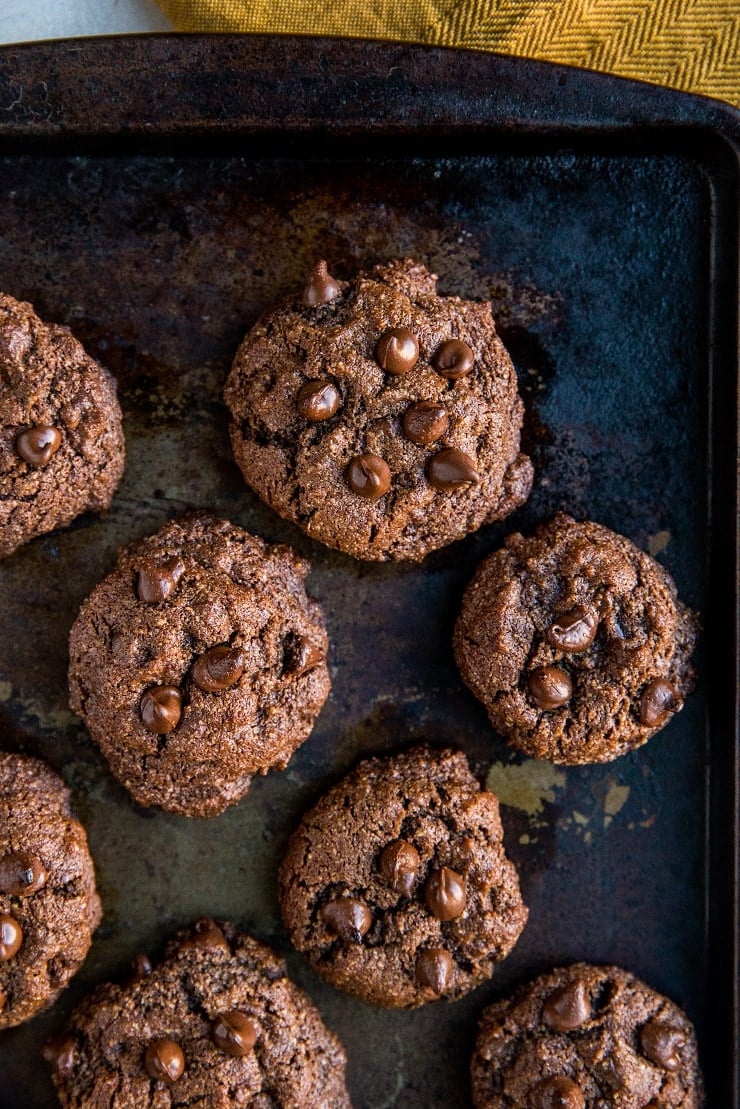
693,45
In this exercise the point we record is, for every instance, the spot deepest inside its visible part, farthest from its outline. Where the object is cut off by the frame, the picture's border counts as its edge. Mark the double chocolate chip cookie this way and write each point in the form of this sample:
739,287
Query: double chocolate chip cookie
199,662
396,885
586,1037
381,418
575,642
61,440
49,907
217,1023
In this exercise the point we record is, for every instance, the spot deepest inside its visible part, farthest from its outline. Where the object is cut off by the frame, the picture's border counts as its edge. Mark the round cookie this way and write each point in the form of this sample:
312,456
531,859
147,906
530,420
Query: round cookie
585,1037
61,440
199,662
575,642
49,907
396,885
217,1023
381,418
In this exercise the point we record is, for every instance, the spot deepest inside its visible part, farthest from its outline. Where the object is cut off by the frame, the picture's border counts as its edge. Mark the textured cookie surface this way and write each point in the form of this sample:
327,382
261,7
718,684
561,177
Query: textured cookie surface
396,886
199,662
61,440
381,418
49,907
216,1024
575,642
586,1037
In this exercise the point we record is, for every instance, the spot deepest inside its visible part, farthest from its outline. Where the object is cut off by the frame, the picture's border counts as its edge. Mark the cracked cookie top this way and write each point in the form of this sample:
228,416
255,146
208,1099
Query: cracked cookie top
199,662
396,885
381,418
49,907
216,1023
586,1037
575,642
61,439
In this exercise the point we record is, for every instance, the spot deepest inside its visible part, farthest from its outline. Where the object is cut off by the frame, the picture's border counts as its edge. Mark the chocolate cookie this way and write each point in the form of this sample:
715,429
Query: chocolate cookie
216,1024
396,886
61,441
199,662
49,907
586,1037
575,642
381,418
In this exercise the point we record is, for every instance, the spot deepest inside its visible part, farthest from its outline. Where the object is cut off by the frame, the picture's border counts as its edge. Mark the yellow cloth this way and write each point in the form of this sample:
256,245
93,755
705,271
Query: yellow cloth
693,45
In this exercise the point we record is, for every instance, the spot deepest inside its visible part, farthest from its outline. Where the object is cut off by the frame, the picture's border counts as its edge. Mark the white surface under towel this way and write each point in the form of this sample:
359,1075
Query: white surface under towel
29,20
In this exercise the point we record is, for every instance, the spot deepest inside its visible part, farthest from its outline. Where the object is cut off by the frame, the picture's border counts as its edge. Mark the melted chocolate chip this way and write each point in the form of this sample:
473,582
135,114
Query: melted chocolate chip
317,400
22,874
557,1092
3,999
434,969
453,359
158,582
349,918
207,936
658,702
164,1060
397,350
574,630
321,287
368,476
220,668
549,687
567,1008
11,937
399,864
60,1053
235,1033
36,445
445,894
452,469
141,966
301,656
425,422
161,709
661,1043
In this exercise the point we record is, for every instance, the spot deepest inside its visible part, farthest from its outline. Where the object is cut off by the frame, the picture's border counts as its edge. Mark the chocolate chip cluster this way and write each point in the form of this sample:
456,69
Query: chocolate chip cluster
21,875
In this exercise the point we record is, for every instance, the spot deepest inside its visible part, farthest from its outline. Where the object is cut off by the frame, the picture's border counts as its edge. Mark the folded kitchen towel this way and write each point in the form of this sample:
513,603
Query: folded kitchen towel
692,45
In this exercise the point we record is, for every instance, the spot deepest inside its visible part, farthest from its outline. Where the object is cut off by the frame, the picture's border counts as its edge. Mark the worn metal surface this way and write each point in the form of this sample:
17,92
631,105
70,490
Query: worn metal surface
608,247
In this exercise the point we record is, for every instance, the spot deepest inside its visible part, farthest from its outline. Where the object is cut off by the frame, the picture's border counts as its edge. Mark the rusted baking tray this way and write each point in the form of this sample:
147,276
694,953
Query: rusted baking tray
156,195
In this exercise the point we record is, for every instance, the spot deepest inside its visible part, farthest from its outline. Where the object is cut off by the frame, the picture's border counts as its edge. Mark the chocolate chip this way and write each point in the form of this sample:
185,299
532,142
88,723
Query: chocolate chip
301,656
219,668
368,476
445,894
142,966
164,1060
60,1053
452,469
348,917
567,1008
317,400
321,287
161,708
207,936
11,937
425,422
557,1092
235,1033
157,582
574,630
550,687
399,863
21,874
397,350
434,969
661,1043
3,999
453,359
36,445
658,702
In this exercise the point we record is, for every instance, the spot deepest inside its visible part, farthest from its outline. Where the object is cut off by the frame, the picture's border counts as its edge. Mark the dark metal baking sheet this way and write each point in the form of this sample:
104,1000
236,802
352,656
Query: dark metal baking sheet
156,194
